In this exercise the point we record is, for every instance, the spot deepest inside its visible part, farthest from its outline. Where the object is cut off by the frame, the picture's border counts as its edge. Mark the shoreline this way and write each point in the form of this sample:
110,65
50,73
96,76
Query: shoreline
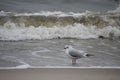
60,67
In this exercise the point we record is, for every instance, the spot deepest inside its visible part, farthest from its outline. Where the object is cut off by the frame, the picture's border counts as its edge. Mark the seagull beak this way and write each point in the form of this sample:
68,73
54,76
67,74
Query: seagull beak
64,48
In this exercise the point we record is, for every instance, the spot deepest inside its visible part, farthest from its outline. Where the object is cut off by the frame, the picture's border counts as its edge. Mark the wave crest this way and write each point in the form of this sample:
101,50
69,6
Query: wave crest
11,31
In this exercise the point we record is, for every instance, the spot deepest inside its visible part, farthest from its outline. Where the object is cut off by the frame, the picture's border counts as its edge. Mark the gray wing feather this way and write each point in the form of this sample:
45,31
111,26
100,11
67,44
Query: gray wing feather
75,53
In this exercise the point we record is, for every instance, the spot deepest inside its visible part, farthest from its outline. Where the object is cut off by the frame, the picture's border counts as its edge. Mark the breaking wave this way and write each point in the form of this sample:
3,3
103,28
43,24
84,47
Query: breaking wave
49,25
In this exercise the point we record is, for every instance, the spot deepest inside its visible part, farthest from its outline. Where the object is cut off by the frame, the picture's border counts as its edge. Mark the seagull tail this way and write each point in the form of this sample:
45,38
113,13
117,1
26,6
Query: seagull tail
88,55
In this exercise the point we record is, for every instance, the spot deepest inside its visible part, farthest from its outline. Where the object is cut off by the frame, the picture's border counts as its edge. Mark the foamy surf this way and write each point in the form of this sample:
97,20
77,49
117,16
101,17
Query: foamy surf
11,31
24,66
61,67
47,13
49,25
81,67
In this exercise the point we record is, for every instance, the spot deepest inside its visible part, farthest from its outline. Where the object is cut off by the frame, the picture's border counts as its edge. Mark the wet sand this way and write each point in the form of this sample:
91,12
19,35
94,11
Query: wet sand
60,74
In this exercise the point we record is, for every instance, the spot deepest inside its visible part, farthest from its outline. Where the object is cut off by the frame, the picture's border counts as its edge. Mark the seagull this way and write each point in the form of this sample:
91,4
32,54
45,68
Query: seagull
75,54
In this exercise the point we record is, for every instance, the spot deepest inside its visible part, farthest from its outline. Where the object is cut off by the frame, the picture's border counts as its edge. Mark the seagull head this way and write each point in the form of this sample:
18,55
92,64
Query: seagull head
68,47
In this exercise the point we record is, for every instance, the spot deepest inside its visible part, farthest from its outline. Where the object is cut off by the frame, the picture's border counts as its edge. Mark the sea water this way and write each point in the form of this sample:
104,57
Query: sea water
37,39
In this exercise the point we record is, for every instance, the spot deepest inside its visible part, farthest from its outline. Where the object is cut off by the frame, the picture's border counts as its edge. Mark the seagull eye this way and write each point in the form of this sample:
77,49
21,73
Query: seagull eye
67,47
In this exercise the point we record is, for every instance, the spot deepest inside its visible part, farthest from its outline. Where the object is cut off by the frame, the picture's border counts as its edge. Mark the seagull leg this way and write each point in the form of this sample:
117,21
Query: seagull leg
73,61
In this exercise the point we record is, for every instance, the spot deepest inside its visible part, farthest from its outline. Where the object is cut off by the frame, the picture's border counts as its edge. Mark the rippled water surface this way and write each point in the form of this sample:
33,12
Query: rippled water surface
47,53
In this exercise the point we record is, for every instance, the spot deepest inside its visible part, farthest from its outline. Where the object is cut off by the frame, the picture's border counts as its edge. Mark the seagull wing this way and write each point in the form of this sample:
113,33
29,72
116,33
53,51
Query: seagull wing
76,53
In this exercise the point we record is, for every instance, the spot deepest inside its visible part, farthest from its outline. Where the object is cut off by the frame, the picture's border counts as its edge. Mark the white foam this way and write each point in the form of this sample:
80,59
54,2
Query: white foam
48,13
3,13
64,67
25,66
54,13
35,53
79,67
11,31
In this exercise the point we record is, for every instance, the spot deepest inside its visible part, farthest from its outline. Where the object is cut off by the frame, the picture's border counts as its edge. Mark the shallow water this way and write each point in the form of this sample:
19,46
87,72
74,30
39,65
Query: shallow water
50,53
34,36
